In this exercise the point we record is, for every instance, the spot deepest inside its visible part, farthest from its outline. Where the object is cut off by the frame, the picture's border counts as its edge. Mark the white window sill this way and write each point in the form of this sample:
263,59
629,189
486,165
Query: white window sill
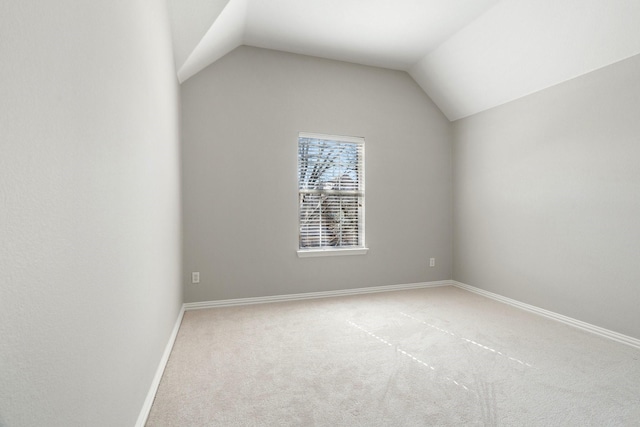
304,253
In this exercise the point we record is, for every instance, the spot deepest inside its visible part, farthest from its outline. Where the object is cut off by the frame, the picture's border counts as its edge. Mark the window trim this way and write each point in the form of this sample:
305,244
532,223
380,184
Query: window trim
337,251
308,253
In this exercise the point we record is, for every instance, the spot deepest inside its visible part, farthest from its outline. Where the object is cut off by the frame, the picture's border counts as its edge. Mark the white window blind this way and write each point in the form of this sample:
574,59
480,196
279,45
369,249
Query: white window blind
330,191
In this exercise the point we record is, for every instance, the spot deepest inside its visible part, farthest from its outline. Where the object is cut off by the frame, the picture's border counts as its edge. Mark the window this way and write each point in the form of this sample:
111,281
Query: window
330,195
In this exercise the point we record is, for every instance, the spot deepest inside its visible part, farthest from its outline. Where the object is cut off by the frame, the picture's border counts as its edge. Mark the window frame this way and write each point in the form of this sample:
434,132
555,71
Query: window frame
361,248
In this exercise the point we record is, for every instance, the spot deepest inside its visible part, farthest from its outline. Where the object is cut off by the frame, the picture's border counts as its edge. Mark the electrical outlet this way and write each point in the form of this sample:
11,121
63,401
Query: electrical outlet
432,262
195,277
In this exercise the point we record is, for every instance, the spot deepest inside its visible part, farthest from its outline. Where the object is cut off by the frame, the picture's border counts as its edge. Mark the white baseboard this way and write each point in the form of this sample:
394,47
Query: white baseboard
311,295
634,342
146,407
606,333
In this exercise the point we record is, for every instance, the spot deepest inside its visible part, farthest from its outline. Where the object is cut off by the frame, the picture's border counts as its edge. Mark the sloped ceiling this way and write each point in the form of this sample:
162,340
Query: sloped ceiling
190,21
467,55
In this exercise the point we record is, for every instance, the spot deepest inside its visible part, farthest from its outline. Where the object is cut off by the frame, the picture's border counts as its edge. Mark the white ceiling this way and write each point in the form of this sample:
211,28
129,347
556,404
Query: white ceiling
467,55
390,34
190,20
522,46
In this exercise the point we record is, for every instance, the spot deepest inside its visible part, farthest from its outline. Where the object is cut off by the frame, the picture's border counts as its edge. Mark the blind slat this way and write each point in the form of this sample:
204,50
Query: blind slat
331,191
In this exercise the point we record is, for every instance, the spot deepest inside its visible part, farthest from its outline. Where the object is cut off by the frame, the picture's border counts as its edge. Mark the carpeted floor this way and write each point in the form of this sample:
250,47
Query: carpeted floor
425,357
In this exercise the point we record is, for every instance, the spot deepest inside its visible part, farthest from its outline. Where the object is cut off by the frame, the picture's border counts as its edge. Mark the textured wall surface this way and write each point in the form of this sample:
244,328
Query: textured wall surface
241,118
89,209
547,199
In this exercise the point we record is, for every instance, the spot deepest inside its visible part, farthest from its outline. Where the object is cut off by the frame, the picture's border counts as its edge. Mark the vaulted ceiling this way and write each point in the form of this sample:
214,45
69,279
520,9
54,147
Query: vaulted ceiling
467,55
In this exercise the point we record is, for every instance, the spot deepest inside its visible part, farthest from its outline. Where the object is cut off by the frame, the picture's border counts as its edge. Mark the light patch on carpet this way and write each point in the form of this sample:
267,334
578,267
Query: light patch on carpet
437,356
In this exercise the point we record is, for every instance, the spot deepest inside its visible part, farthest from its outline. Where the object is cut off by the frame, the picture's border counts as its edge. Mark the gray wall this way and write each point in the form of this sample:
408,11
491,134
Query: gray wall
241,117
547,198
89,209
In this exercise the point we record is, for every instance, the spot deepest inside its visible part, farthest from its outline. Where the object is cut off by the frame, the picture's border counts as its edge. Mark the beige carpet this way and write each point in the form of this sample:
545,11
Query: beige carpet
427,357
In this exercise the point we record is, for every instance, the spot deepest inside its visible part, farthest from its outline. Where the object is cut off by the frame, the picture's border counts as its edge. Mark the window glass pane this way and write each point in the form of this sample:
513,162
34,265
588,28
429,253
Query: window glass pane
331,192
